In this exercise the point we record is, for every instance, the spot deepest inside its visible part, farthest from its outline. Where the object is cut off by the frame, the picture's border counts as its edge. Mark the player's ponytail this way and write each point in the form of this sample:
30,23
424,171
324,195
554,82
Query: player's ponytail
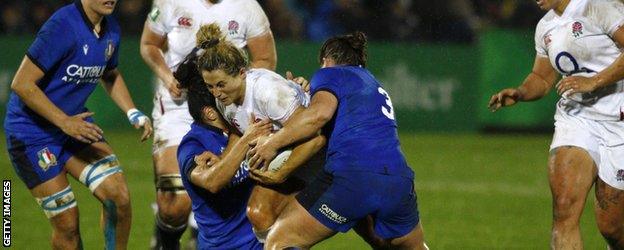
346,50
219,53
209,36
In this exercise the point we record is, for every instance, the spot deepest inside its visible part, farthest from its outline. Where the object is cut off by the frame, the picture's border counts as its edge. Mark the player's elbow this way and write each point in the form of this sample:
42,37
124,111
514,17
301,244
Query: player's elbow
19,87
321,118
319,142
213,184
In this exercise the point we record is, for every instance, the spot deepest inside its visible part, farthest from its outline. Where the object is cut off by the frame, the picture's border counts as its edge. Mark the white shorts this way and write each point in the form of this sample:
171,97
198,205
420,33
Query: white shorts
603,140
172,120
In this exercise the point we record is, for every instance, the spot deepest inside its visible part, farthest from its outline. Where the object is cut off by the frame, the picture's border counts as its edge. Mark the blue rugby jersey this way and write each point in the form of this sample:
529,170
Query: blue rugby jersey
362,134
221,217
73,58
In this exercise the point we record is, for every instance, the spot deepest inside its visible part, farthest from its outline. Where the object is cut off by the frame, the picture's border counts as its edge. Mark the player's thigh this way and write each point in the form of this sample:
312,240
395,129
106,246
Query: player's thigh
609,207
289,232
571,173
97,167
166,161
57,200
40,164
264,198
415,239
574,154
610,182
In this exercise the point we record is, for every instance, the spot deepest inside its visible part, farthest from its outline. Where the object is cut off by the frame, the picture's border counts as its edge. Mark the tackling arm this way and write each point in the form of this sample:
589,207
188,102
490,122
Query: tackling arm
214,178
304,123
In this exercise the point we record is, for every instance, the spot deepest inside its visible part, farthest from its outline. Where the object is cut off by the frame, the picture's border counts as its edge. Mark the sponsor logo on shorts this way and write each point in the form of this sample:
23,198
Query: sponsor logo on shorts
46,159
329,213
619,175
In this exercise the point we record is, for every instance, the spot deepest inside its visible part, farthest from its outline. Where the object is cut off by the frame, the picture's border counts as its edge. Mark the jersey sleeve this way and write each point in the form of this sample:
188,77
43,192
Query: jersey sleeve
52,44
609,15
158,20
540,45
281,101
326,80
257,21
192,145
187,150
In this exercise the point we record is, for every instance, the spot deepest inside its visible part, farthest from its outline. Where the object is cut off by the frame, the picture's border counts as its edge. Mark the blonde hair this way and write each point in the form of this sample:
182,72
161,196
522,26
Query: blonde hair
219,53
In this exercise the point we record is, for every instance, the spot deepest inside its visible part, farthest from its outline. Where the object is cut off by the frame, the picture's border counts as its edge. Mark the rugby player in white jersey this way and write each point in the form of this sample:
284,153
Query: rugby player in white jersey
168,36
581,40
243,92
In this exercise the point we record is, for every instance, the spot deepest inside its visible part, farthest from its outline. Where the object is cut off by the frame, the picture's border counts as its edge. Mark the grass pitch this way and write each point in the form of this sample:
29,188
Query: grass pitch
474,192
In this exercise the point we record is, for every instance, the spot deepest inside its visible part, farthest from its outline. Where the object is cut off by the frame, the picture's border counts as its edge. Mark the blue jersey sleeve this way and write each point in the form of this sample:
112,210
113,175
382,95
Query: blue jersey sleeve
53,42
186,155
326,79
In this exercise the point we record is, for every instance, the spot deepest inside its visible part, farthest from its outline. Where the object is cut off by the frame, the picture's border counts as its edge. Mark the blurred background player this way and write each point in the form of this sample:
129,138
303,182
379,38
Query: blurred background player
581,40
220,189
365,165
243,92
51,133
168,36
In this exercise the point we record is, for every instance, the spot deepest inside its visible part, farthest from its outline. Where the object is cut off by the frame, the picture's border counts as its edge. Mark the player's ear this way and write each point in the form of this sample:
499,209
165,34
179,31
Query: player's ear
243,72
210,114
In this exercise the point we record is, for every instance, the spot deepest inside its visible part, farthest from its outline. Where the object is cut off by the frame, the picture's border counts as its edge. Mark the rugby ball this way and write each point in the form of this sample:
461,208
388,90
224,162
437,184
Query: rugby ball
281,158
277,163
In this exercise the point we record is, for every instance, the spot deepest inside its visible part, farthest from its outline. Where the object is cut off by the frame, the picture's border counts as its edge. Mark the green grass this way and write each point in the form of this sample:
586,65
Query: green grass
474,192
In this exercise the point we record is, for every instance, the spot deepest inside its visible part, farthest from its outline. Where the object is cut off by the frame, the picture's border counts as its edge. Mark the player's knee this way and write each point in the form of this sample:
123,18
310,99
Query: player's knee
565,208
261,217
66,226
173,215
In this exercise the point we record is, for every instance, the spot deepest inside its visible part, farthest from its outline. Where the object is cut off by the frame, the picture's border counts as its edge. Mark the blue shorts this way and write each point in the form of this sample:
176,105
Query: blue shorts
253,244
339,200
37,160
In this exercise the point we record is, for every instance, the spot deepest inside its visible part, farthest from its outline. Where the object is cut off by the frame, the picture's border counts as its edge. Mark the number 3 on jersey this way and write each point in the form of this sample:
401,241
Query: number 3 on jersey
388,111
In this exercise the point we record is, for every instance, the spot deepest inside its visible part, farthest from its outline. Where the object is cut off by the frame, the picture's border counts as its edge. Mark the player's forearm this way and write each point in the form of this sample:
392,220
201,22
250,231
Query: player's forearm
220,174
153,57
266,63
115,86
612,74
300,125
534,87
36,100
301,154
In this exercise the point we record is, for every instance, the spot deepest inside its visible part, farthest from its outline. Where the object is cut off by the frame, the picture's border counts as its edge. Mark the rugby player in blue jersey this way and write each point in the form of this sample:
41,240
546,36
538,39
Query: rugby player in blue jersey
219,189
50,132
366,176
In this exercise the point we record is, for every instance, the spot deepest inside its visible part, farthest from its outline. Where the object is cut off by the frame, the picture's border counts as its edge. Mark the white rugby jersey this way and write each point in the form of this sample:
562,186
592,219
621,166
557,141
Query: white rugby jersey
180,20
267,96
579,43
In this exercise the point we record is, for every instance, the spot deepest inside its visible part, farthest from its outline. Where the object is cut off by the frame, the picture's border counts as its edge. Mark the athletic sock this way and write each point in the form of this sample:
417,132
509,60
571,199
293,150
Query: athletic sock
168,236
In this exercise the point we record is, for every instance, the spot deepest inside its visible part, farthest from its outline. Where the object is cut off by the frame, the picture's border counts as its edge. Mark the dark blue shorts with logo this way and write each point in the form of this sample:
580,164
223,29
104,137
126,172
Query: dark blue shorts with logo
340,199
37,159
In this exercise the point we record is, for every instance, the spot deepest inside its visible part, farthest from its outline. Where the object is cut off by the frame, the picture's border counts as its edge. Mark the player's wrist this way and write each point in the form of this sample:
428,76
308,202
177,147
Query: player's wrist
136,117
